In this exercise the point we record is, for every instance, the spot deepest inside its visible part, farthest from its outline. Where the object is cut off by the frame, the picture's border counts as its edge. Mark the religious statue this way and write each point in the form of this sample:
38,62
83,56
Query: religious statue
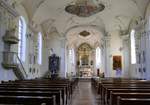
54,63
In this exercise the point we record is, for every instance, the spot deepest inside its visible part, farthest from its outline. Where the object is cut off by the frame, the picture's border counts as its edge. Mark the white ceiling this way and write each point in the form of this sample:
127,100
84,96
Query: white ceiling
73,36
116,15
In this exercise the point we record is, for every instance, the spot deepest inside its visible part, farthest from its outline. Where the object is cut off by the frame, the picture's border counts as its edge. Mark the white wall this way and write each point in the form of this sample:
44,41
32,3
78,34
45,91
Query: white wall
147,26
115,45
31,42
58,45
142,45
31,49
45,55
22,12
4,23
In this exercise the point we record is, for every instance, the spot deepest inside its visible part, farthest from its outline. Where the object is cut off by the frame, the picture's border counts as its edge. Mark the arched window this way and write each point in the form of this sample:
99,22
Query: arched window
39,48
98,57
133,48
71,56
22,39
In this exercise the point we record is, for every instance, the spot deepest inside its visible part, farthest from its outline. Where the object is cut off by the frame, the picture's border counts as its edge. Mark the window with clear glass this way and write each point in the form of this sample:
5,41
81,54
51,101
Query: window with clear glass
71,56
133,47
98,57
39,48
22,39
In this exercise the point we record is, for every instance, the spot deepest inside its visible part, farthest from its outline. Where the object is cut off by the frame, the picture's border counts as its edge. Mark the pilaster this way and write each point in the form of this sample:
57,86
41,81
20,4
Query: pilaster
107,56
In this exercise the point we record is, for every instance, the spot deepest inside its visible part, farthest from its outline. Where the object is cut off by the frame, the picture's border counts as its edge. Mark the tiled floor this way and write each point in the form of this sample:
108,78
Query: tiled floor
84,94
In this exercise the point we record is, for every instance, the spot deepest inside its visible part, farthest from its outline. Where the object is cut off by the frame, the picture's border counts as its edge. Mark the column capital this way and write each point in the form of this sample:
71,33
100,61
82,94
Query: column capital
107,41
107,38
125,37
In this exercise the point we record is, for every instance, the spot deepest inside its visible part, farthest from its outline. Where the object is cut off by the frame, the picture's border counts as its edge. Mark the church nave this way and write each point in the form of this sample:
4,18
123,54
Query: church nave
75,52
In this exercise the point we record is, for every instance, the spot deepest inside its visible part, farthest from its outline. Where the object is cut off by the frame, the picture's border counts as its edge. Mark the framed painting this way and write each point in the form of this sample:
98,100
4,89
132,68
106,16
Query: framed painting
117,62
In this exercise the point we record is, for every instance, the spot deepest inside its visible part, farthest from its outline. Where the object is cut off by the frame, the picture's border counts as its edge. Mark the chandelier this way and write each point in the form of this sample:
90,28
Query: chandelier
84,8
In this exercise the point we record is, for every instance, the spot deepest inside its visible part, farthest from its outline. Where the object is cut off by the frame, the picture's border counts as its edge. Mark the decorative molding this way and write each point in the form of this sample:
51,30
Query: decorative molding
40,3
9,8
33,29
107,41
125,37
140,25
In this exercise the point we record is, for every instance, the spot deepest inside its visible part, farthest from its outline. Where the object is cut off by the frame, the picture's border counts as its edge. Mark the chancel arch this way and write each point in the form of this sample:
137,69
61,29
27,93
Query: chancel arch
83,40
85,59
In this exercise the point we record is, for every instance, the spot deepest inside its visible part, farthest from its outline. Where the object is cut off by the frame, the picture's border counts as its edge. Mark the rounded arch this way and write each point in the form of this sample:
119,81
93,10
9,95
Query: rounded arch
74,35
22,11
147,10
84,46
134,22
147,16
94,27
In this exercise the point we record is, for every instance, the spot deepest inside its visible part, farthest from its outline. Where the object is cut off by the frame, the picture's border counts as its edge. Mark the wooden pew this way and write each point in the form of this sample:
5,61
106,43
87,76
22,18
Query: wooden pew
36,88
105,88
120,81
72,83
27,100
133,101
105,91
34,93
107,85
113,98
37,83
42,85
104,95
107,98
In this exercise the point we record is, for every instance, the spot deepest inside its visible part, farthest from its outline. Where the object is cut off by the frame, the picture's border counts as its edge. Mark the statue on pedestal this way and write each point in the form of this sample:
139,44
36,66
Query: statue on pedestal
54,63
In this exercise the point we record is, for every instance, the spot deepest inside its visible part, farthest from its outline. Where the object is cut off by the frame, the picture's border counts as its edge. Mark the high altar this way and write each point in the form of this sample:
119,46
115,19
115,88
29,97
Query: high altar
85,60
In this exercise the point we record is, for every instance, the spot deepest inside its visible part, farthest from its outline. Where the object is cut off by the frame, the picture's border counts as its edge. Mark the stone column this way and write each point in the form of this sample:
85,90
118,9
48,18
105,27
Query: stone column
126,55
147,55
108,69
63,58
143,50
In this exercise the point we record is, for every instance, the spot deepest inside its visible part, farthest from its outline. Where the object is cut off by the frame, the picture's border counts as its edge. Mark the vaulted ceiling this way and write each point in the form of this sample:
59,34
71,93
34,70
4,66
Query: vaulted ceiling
116,15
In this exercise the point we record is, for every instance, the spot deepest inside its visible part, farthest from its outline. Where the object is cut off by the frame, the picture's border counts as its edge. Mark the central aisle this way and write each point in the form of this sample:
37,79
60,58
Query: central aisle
84,95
